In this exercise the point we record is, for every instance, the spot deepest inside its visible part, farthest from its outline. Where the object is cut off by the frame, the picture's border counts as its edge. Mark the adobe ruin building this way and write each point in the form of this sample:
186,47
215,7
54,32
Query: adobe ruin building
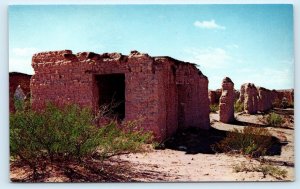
168,94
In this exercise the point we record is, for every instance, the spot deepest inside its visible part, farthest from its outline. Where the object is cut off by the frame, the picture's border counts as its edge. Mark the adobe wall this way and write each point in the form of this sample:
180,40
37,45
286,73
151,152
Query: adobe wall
214,96
261,99
264,99
288,94
16,79
158,89
250,98
226,105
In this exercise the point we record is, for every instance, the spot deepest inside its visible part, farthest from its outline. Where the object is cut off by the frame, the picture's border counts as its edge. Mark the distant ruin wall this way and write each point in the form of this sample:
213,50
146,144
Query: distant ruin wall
261,99
165,92
214,96
264,99
16,79
227,101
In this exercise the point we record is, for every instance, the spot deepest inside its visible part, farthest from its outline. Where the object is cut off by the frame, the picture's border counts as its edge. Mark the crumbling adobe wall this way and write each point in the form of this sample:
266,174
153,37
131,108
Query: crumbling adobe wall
16,79
261,99
227,101
236,95
165,92
250,98
242,94
264,99
214,96
193,102
288,94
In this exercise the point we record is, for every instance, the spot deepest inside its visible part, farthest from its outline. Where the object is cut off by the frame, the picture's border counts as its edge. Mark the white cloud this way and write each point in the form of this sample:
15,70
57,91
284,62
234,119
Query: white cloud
271,78
208,25
24,51
20,65
279,78
210,57
20,60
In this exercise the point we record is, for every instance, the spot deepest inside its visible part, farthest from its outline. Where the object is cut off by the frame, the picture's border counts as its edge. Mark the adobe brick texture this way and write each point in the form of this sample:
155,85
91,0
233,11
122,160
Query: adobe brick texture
168,94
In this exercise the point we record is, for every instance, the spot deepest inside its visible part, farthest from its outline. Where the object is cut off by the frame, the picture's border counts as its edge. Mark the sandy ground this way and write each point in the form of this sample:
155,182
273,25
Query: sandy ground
179,166
172,165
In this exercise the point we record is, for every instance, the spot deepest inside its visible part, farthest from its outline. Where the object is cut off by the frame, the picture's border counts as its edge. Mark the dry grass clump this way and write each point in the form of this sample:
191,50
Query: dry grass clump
214,107
249,141
274,119
265,169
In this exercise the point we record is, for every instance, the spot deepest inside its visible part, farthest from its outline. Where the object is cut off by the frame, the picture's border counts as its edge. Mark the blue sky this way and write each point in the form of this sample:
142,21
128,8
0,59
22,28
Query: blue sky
248,43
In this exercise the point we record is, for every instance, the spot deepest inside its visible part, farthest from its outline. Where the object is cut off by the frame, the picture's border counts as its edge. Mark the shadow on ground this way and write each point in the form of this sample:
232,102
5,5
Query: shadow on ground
194,141
112,170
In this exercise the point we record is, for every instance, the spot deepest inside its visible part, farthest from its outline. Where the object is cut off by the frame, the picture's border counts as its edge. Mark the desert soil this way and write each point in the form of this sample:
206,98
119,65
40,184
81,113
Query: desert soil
179,165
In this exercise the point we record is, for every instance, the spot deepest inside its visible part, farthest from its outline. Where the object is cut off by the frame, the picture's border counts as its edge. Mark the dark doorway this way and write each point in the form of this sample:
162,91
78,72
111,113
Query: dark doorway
112,93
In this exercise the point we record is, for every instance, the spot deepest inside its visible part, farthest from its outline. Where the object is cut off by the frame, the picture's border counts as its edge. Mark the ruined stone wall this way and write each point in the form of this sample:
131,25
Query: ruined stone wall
236,95
214,96
242,94
193,102
227,101
152,86
250,98
16,79
288,94
264,99
261,99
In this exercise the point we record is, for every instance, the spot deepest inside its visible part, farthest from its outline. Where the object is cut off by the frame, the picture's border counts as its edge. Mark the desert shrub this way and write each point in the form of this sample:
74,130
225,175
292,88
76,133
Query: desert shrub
265,169
124,138
249,141
238,106
19,104
214,107
274,119
69,133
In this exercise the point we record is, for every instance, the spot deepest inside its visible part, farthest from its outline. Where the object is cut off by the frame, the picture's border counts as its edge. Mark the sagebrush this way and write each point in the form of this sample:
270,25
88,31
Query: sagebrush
61,134
249,141
274,119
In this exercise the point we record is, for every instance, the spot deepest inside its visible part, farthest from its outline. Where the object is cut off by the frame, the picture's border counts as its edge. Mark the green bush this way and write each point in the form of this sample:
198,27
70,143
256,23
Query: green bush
249,141
274,119
214,107
68,133
238,106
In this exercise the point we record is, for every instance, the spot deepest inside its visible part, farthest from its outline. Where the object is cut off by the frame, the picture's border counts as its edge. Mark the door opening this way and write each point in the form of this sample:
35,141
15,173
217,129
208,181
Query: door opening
111,90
